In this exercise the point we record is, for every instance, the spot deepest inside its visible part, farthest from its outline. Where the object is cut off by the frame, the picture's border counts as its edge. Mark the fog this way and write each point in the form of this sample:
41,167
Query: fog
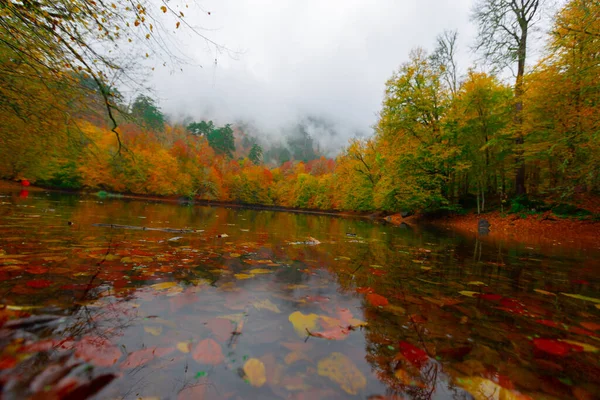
288,60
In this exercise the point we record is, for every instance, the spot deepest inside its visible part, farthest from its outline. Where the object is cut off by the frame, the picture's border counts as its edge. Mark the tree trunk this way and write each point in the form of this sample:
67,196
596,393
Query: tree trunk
518,114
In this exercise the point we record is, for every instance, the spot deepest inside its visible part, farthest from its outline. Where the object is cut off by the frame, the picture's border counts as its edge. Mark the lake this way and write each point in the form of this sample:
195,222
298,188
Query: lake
177,301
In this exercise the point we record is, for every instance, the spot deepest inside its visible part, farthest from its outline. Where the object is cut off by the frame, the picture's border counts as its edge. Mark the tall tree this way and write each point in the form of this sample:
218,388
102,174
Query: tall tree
503,29
256,154
222,140
202,128
145,110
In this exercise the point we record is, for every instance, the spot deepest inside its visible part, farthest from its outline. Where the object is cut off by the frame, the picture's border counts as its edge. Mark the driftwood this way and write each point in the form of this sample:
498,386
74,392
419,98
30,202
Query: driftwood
143,228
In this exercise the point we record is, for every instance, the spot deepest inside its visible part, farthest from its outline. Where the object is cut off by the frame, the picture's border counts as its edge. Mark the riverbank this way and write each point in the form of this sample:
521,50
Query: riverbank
541,229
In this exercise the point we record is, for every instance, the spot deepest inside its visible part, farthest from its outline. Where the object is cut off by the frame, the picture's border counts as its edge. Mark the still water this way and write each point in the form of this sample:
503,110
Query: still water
217,303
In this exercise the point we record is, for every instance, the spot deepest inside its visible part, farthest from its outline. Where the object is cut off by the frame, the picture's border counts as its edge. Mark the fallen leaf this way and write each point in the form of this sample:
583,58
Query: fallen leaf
341,370
415,355
544,292
302,322
221,328
580,297
208,352
591,326
261,271
377,300
585,347
294,356
140,357
163,285
266,305
476,283
154,330
484,389
183,347
552,346
469,293
255,372
243,276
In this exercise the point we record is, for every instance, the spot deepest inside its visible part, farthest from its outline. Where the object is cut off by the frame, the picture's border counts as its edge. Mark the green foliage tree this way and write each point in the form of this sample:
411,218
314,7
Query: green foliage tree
256,154
222,140
202,128
145,110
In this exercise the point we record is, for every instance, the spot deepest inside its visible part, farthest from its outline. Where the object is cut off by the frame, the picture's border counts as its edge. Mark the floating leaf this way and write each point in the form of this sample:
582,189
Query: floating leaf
183,347
243,276
261,271
580,297
544,292
341,370
476,283
266,305
143,356
221,328
586,347
469,293
255,372
415,355
591,326
39,283
484,389
163,285
552,346
296,356
154,330
302,322
377,300
208,352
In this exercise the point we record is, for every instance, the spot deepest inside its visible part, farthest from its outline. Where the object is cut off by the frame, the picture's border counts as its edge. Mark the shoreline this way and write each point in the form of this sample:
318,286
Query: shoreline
541,229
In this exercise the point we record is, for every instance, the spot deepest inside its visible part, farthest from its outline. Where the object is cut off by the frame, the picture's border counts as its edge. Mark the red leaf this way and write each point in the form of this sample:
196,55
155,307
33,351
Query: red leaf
221,328
377,272
36,270
490,297
580,331
377,300
39,283
143,356
332,334
415,355
7,362
592,326
98,351
208,352
552,346
364,290
547,322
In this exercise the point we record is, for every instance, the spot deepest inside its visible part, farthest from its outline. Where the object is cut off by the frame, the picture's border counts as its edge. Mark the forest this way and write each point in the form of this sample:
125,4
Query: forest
446,138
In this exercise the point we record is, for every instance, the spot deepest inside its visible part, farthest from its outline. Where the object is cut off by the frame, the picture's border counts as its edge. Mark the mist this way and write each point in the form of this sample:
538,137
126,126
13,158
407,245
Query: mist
291,61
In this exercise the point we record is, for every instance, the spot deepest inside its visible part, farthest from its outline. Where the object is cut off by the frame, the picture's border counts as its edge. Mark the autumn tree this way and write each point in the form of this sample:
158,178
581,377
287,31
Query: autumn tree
503,31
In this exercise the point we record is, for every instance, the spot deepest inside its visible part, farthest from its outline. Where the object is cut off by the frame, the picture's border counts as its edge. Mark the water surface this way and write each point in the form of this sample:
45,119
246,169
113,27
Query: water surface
246,304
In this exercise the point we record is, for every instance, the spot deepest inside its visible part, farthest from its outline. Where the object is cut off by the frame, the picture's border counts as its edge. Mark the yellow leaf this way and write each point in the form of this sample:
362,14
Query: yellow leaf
468,293
476,283
243,276
183,347
255,372
164,9
154,330
266,305
586,347
341,370
163,285
303,322
260,271
234,255
148,36
580,297
484,389
177,25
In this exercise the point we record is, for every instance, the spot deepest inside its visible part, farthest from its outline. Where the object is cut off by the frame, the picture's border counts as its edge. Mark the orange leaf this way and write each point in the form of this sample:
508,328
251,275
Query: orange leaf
376,300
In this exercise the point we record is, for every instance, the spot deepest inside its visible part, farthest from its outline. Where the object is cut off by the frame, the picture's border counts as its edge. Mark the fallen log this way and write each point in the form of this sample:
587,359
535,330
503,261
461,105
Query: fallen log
143,228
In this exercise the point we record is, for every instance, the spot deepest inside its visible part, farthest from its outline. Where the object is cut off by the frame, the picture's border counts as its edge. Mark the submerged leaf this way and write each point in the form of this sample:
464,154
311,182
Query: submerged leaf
341,370
302,322
255,372
484,389
469,293
266,305
208,352
377,300
584,346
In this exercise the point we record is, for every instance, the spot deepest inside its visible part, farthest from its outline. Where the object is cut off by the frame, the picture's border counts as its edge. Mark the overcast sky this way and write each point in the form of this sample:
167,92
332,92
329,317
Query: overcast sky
327,58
